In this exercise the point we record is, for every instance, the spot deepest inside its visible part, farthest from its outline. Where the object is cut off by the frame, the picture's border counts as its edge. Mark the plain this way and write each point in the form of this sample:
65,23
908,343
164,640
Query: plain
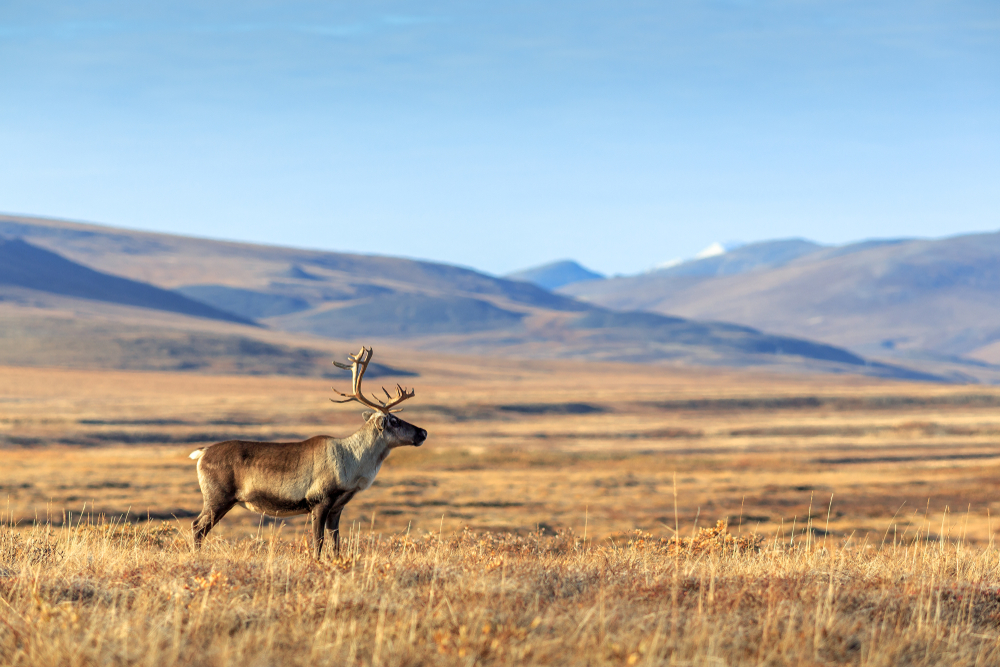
559,512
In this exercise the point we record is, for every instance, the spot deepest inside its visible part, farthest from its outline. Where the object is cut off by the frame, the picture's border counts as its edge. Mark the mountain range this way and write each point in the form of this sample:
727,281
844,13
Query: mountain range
934,304
87,294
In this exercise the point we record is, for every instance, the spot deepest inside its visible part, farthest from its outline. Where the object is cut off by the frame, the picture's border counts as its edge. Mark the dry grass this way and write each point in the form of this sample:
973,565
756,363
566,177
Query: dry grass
93,593
875,501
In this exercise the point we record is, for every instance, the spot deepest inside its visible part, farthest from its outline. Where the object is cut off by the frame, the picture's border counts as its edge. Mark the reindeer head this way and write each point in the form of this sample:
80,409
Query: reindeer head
395,431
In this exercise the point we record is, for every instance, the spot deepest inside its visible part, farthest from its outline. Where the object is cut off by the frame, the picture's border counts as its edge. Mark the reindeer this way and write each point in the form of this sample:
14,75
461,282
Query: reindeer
318,476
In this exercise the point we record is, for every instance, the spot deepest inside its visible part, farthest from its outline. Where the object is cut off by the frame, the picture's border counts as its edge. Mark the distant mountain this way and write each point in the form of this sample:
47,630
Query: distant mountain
555,275
357,298
27,266
743,258
919,299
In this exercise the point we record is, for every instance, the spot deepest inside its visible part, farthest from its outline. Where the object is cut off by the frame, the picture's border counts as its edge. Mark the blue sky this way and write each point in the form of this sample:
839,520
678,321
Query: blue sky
503,135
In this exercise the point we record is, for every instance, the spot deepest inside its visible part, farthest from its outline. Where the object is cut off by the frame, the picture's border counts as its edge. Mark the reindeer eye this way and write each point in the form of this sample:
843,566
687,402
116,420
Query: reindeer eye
393,421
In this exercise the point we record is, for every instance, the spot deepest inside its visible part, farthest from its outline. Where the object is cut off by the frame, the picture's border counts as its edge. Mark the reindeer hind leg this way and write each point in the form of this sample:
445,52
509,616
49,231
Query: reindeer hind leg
211,514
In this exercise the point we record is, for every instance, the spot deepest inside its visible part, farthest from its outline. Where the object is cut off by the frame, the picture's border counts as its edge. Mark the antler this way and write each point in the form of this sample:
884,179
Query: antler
358,366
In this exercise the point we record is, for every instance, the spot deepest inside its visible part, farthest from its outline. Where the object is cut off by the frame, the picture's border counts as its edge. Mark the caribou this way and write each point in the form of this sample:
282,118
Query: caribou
318,476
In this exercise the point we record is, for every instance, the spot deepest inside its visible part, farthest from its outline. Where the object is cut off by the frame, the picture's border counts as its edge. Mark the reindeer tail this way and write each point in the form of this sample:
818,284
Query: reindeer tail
197,454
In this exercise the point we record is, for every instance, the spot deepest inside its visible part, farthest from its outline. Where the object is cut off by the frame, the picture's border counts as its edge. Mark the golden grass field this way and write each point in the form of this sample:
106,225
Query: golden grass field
511,535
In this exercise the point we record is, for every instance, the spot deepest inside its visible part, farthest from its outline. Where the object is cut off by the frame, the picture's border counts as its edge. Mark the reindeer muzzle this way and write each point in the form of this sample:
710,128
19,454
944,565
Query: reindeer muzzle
420,437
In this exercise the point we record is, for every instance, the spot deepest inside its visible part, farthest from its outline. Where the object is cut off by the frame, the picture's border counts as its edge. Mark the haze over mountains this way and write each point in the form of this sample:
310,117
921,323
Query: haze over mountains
291,302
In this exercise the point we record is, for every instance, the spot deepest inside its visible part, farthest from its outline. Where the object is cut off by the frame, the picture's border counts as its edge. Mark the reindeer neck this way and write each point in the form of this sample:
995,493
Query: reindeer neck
359,457
366,441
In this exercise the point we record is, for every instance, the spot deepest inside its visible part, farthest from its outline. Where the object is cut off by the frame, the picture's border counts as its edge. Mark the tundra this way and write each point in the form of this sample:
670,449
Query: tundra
318,476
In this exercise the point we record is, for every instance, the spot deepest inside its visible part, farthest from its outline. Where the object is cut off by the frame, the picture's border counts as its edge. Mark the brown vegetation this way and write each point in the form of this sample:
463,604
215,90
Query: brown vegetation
511,536
96,593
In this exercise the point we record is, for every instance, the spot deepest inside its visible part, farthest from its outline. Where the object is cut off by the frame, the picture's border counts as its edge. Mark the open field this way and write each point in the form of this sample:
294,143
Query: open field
876,501
518,445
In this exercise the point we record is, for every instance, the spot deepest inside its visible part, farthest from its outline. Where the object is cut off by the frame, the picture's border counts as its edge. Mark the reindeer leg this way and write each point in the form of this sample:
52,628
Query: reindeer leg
211,514
319,515
333,526
340,500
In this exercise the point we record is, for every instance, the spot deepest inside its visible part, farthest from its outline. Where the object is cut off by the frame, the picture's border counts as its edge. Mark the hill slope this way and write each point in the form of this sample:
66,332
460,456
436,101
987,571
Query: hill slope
27,266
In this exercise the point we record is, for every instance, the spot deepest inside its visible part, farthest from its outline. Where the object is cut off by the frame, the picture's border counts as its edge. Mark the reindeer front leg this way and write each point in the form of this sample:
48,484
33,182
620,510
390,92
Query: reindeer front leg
340,500
319,515
333,527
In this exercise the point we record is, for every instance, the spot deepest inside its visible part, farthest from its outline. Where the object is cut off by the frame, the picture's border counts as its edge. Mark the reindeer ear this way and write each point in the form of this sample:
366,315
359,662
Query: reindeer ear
367,414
